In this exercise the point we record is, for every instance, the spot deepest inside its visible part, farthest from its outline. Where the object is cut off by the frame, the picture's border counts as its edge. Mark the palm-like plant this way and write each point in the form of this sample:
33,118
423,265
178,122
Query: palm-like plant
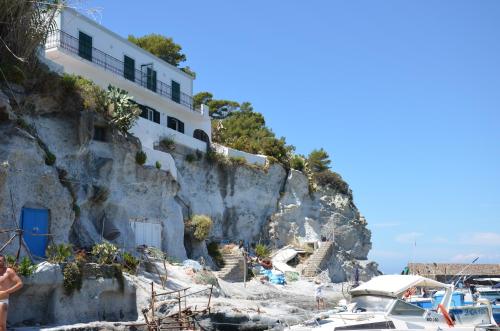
120,108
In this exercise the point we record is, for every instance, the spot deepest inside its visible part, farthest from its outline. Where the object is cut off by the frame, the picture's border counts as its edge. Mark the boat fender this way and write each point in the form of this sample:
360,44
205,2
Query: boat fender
446,315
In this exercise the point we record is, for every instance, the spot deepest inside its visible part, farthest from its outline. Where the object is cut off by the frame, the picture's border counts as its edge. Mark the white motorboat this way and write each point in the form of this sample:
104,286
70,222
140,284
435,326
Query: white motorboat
380,304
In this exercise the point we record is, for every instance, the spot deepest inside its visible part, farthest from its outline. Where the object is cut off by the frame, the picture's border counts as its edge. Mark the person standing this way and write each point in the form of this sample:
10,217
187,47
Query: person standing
318,294
9,283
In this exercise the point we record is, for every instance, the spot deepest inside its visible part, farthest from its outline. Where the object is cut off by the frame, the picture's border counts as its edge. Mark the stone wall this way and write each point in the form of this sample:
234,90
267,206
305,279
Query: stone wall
95,189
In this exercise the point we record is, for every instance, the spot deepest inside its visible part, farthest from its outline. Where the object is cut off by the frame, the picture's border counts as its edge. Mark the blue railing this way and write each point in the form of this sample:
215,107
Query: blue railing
109,63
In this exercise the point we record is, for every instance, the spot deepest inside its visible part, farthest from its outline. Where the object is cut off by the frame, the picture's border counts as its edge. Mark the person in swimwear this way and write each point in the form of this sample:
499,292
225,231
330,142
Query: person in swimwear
9,283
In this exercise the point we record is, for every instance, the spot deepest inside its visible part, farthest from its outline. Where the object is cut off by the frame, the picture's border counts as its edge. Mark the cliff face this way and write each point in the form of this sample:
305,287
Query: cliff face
97,190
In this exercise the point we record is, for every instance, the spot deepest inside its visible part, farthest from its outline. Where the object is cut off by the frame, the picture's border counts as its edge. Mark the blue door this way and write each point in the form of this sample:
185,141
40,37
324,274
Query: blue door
35,225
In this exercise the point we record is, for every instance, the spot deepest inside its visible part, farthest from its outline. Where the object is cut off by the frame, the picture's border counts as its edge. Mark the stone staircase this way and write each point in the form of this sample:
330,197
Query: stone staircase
234,266
313,265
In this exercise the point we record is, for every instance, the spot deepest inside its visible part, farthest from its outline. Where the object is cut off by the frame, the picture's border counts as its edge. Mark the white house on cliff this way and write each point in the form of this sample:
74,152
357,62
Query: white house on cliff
164,93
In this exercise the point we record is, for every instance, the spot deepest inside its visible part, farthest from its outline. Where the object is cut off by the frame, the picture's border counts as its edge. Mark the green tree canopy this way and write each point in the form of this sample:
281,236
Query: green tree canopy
247,131
163,47
318,160
215,105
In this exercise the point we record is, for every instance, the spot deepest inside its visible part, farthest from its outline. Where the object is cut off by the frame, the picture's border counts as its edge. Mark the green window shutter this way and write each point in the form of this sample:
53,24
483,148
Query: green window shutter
172,123
154,80
151,79
176,92
129,68
144,111
85,46
156,116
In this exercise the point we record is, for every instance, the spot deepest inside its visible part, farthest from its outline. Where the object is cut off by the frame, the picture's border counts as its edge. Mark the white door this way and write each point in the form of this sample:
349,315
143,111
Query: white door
147,234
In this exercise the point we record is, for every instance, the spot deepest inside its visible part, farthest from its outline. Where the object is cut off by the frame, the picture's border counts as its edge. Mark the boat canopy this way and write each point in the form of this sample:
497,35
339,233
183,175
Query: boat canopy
395,285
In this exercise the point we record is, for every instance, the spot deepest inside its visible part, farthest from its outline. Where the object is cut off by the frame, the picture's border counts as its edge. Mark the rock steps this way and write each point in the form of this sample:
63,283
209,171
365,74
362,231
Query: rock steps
234,267
319,257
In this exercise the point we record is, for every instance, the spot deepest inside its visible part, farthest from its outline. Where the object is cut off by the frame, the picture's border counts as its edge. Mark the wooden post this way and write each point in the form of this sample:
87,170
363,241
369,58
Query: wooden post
245,268
180,307
209,298
153,303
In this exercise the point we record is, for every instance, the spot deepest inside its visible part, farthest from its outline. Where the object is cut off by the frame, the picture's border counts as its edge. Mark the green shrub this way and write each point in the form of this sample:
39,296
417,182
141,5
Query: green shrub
215,254
190,158
93,96
50,158
238,160
201,225
68,82
318,160
130,263
199,155
167,143
272,160
156,253
104,253
262,251
140,157
297,163
205,277
332,180
59,253
158,165
26,267
72,278
213,157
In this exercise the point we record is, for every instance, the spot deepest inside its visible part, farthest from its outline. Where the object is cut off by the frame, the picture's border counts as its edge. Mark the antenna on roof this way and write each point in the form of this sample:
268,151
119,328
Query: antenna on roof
457,276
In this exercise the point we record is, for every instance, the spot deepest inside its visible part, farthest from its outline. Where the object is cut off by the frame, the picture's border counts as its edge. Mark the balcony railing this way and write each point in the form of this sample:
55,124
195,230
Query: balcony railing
109,63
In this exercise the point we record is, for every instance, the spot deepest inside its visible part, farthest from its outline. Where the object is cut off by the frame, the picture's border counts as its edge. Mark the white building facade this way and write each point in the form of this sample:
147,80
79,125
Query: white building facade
164,93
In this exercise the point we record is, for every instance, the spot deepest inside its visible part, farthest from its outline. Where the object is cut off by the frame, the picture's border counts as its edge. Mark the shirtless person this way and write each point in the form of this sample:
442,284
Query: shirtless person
9,283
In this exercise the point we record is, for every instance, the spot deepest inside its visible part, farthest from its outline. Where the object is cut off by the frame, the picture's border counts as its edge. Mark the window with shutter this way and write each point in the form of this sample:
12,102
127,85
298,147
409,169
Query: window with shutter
144,111
129,68
176,92
151,79
156,116
174,124
85,46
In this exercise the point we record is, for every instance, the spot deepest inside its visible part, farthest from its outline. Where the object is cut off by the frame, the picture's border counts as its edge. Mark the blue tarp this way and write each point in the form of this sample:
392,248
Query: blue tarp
274,277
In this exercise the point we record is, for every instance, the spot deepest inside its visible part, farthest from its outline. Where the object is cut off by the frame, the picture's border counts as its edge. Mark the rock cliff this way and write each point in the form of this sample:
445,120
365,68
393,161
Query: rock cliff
96,189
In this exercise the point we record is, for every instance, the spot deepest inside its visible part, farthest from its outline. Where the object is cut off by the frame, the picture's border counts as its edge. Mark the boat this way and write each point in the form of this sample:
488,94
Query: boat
381,304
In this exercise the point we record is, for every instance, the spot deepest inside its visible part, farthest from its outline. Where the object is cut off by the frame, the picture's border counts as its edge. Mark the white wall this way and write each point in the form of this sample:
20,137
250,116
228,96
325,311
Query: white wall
111,43
166,160
150,134
230,152
107,41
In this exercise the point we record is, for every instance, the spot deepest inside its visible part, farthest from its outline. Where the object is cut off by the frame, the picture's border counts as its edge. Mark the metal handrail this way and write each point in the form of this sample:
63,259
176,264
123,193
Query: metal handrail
69,43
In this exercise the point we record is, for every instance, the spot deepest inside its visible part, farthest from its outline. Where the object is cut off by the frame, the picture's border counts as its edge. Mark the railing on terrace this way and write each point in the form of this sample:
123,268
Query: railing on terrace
71,44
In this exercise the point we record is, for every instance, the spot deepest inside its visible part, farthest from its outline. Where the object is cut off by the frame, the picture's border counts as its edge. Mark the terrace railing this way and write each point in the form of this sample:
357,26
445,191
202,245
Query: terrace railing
71,44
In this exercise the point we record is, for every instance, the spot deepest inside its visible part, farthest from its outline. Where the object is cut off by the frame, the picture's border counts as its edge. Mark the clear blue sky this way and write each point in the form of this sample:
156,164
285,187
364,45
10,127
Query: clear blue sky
404,95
